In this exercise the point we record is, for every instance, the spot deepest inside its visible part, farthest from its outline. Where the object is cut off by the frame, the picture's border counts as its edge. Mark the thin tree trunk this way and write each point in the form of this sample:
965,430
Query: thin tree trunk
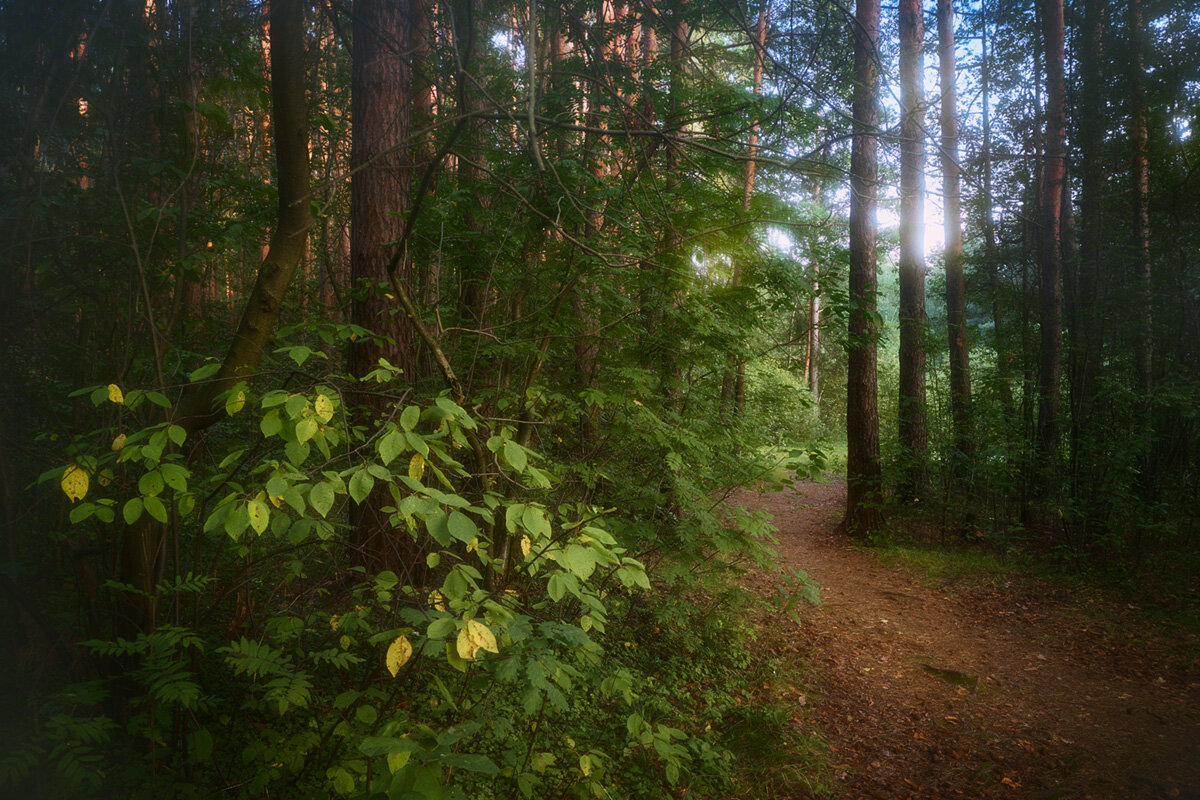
1085,336
760,40
142,547
991,254
468,45
911,407
863,497
1140,174
956,302
1050,236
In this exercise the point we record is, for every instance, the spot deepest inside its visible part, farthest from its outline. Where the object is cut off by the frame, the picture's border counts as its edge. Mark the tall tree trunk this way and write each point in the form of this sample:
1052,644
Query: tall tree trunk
1140,174
468,46
143,543
380,162
760,39
956,300
1085,331
1050,235
673,257
863,496
991,254
911,406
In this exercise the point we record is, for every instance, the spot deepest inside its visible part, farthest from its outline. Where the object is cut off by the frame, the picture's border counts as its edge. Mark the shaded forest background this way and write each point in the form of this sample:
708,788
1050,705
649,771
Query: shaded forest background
374,370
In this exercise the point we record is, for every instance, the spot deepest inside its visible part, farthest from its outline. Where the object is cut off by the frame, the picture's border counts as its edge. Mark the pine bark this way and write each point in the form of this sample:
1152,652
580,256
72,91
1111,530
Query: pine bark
863,512
956,301
1050,235
991,253
911,407
1085,332
1143,275
381,164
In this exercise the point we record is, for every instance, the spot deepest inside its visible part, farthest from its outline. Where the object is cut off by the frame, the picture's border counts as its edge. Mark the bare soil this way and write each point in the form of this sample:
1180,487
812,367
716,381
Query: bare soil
980,688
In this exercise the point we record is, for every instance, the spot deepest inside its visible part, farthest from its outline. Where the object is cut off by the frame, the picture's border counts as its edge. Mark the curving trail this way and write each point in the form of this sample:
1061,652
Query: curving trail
981,691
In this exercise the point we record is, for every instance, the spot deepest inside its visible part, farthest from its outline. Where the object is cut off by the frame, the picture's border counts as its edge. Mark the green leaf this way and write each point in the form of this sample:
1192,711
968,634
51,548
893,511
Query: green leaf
534,520
391,444
187,504
455,586
436,523
461,527
580,560
132,510
237,521
306,429
207,371
151,483
155,508
271,423
296,452
320,497
294,499
296,403
235,402
514,454
361,484
471,762
417,443
410,417
175,476
276,486
387,745
177,435
441,627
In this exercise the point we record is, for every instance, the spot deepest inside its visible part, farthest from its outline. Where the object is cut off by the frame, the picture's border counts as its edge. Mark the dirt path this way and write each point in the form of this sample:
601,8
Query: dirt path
982,691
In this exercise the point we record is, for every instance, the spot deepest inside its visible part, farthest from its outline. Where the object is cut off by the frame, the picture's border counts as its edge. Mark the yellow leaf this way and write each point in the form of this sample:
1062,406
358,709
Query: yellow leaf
466,648
259,514
526,545
74,482
437,600
276,500
475,637
345,642
115,394
416,466
118,442
323,407
398,653
473,545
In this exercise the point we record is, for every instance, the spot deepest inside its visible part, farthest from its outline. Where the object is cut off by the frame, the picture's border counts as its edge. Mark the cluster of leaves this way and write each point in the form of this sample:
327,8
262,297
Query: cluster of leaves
478,671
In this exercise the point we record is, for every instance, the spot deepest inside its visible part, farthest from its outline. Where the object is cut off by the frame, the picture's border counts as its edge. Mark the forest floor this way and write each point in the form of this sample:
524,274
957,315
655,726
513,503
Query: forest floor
997,687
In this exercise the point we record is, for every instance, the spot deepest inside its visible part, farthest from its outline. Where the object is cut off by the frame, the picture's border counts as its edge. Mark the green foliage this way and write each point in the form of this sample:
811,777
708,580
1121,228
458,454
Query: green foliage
509,661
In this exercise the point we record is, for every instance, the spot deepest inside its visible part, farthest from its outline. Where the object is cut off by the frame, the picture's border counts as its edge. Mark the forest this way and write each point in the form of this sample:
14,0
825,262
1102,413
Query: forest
383,375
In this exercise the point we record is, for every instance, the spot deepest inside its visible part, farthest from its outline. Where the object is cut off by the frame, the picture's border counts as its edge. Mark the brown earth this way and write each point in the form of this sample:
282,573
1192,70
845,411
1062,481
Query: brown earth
980,688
